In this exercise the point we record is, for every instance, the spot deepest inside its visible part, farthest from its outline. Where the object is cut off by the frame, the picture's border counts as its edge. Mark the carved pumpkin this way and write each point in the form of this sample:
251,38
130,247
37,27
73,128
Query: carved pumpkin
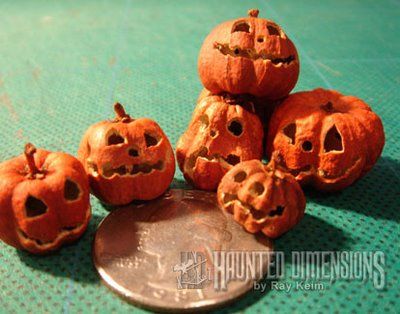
249,56
44,200
326,139
263,107
224,131
262,197
127,159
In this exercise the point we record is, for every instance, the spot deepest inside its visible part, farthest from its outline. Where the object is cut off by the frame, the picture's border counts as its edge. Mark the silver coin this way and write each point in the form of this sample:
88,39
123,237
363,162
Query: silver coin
173,254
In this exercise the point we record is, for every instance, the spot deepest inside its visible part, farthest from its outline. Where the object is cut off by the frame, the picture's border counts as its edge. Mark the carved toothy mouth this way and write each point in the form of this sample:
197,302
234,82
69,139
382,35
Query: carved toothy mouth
260,216
310,170
225,162
296,172
252,54
64,232
229,161
126,170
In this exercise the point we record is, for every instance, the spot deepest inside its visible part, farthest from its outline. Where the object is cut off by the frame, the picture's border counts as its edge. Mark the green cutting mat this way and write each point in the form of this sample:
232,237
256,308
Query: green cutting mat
63,64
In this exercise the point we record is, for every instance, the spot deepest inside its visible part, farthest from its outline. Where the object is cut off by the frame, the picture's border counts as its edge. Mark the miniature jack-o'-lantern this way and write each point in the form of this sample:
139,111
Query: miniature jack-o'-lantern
263,107
249,56
127,159
44,200
224,131
326,139
262,197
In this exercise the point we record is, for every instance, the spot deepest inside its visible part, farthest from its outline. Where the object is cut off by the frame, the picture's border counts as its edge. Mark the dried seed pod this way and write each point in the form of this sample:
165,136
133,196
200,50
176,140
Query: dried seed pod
326,139
224,131
127,159
262,197
44,200
249,55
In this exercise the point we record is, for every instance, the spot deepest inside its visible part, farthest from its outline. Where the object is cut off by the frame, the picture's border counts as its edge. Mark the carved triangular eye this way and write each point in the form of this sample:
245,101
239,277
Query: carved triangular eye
114,138
272,30
333,140
290,132
150,140
241,26
34,207
71,190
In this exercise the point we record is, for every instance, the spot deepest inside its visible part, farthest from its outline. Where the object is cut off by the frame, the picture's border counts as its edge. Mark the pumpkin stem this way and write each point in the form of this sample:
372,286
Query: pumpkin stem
29,152
328,107
253,12
120,112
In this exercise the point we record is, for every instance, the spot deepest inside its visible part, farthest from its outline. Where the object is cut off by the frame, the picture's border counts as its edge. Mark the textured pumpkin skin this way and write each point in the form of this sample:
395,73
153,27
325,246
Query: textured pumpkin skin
262,198
346,138
263,107
236,62
204,159
115,176
64,221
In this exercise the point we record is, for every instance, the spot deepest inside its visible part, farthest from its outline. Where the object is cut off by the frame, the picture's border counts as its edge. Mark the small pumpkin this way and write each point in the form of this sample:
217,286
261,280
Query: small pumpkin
127,159
44,200
249,55
263,107
326,139
224,130
262,197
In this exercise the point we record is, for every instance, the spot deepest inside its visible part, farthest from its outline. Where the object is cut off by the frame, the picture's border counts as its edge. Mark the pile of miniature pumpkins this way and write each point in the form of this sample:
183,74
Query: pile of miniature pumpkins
321,138
44,196
248,67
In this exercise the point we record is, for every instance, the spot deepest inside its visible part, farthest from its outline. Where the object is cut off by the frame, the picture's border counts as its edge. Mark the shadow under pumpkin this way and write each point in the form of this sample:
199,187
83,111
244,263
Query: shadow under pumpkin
315,234
312,228
73,261
375,195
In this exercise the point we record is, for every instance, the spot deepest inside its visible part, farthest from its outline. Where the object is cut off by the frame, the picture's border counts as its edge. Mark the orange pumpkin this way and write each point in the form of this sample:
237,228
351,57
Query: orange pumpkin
127,159
263,107
224,131
325,138
262,197
249,56
44,200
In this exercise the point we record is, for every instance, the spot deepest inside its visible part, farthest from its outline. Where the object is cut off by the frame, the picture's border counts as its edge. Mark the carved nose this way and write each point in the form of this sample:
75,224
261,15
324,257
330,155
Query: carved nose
307,146
261,39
